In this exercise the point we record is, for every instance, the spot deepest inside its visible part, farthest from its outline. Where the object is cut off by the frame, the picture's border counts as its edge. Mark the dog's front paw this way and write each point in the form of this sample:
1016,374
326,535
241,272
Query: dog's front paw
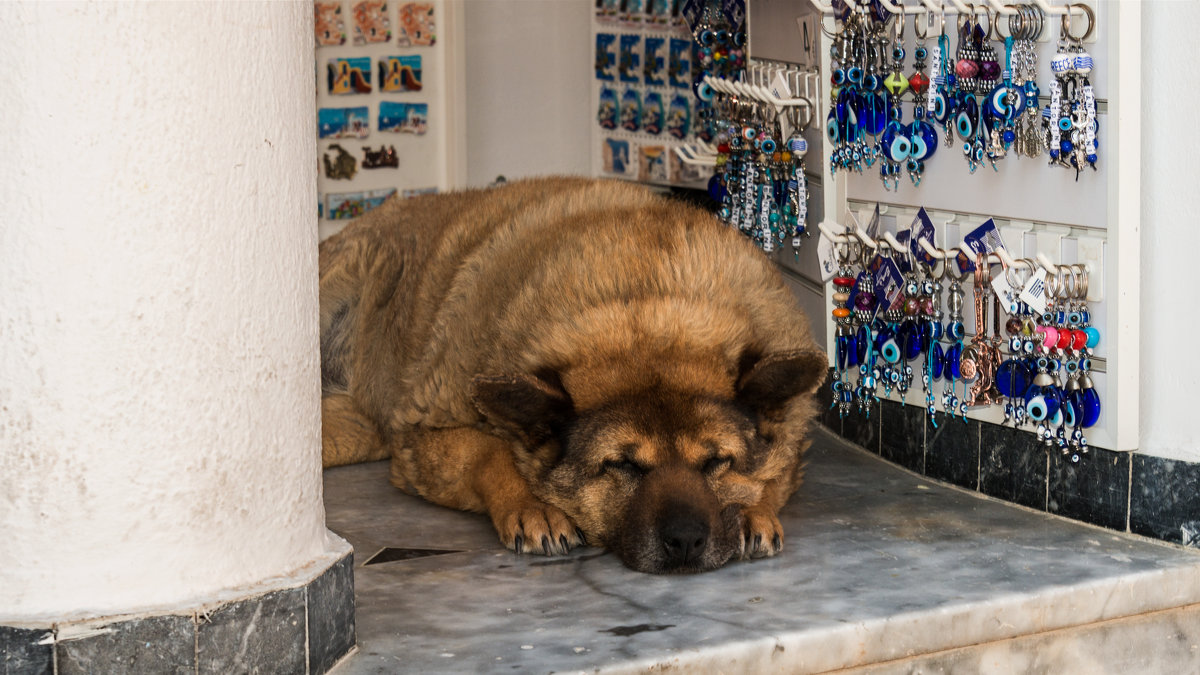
762,535
536,527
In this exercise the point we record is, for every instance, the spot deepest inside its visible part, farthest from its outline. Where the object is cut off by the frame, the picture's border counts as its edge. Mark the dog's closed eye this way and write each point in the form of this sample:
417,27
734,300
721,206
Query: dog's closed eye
716,463
623,465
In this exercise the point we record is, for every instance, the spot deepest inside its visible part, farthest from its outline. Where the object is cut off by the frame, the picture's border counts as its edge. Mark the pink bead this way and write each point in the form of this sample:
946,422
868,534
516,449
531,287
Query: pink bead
966,68
1049,336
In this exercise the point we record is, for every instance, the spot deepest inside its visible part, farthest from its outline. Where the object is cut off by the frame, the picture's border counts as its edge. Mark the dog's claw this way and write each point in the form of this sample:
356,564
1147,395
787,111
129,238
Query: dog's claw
760,527
536,527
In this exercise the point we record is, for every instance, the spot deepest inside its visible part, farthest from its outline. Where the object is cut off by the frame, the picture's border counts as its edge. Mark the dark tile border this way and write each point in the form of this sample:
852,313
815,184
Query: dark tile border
952,450
904,441
1013,466
863,428
1165,500
21,651
307,628
1123,491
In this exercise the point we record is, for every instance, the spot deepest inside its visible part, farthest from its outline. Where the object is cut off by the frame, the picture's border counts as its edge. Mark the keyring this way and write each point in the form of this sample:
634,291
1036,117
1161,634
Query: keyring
1066,22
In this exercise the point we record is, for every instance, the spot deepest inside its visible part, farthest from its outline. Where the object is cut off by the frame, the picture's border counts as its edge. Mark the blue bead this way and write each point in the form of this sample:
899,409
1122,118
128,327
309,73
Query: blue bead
1091,158
1089,403
938,361
863,341
953,360
1093,336
1067,146
890,351
1009,136
1035,407
851,351
1012,378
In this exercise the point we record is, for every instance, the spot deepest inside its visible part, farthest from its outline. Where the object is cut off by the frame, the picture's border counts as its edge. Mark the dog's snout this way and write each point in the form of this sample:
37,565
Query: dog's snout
684,539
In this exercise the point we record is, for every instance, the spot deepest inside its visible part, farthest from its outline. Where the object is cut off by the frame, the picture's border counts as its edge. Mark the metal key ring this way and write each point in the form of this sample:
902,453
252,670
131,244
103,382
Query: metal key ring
1083,276
1066,22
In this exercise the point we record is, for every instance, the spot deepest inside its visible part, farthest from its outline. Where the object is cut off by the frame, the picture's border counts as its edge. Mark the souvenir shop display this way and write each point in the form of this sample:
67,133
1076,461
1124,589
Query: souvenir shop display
649,65
380,72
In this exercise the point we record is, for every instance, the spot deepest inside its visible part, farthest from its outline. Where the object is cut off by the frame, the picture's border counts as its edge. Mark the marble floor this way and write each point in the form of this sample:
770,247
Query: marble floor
883,572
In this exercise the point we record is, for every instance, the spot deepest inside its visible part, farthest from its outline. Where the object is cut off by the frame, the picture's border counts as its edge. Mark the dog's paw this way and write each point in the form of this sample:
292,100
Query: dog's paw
535,527
762,535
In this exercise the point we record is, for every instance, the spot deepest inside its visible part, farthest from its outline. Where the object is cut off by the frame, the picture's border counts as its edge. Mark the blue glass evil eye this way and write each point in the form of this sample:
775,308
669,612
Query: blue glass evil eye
924,140
1036,408
896,146
832,129
888,348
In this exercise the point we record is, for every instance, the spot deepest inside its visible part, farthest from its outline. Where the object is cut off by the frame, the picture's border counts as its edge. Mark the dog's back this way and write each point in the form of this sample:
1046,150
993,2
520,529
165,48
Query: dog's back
595,280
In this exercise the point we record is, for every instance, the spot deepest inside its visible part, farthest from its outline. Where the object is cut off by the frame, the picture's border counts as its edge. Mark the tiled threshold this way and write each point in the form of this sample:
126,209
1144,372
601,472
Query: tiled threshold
304,628
883,571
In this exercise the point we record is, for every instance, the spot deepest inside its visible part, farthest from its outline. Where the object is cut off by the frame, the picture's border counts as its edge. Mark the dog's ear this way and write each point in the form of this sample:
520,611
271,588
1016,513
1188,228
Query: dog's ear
767,383
531,408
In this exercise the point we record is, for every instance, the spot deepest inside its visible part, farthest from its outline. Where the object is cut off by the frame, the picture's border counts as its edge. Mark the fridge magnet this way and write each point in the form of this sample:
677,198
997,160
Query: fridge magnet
407,118
629,66
616,156
400,73
330,29
631,14
384,157
417,192
679,64
371,23
678,21
347,205
343,123
679,117
607,10
349,76
652,113
606,57
654,70
631,110
652,164
416,25
658,14
342,167
607,115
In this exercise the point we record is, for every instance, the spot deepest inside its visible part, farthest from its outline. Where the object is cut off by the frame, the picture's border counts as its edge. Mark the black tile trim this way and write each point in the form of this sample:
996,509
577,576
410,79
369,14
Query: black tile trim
1164,499
1124,491
306,628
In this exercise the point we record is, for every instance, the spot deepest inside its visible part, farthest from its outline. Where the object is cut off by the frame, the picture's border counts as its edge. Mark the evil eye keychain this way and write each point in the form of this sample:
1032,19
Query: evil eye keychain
1071,115
922,136
954,333
1026,28
843,283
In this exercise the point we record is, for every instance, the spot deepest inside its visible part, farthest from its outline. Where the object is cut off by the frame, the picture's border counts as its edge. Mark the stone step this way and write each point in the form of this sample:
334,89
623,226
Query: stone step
882,571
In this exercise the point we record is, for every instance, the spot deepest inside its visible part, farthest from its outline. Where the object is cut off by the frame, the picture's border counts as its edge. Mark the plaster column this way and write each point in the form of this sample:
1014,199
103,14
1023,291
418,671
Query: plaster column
159,370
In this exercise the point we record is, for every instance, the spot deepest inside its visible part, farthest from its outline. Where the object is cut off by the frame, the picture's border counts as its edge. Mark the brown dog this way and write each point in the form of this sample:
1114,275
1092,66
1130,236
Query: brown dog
581,360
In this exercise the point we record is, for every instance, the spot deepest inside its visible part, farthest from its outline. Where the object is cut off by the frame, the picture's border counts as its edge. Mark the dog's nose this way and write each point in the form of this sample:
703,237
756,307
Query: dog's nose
684,540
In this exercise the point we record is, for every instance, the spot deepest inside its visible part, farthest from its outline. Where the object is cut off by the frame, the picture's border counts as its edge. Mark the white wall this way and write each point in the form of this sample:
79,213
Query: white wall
159,377
528,87
1170,377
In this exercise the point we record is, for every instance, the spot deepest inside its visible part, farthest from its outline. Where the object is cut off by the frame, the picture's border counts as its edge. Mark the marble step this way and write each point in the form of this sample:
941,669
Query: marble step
883,571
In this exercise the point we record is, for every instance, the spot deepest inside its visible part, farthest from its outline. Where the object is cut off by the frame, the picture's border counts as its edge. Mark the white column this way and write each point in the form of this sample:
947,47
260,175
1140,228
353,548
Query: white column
159,374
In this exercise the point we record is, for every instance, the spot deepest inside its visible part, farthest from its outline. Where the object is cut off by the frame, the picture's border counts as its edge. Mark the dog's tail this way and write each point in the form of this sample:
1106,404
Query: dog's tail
347,435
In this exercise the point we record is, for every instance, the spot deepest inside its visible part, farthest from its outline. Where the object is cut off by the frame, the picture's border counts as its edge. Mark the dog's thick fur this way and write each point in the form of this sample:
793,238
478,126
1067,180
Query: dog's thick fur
581,360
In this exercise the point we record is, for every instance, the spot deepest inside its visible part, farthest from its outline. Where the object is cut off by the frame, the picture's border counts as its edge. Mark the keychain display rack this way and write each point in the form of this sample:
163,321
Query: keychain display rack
643,98
1065,222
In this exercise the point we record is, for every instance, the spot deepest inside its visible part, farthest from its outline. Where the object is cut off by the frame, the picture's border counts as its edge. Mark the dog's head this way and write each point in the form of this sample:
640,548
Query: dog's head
657,473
